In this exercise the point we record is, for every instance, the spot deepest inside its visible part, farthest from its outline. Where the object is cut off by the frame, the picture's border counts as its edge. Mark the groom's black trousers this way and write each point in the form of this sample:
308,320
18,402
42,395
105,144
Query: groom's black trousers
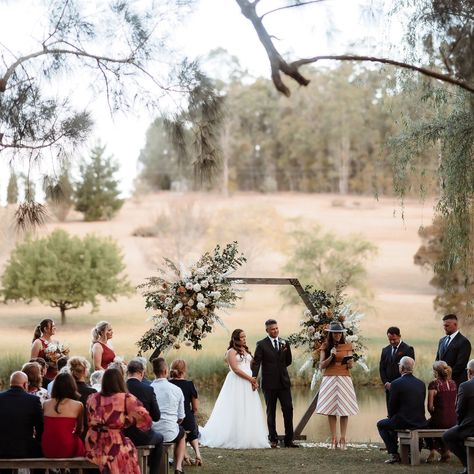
271,398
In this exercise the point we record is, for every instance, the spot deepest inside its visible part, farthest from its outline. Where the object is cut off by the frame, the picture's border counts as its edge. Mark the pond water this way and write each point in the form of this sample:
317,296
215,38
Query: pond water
362,427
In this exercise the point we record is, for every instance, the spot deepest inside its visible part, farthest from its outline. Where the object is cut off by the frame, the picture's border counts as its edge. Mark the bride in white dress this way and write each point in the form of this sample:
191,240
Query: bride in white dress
237,419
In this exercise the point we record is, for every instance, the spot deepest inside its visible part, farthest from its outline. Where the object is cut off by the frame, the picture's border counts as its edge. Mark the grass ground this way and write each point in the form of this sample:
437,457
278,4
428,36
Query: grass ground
365,459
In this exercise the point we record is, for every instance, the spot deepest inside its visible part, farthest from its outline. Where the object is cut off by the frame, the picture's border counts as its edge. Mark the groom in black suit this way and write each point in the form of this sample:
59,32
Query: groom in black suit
274,355
454,349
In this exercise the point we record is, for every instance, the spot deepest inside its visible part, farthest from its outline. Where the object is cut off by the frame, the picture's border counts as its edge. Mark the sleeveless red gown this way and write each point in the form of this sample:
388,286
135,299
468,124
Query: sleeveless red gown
59,440
52,371
108,355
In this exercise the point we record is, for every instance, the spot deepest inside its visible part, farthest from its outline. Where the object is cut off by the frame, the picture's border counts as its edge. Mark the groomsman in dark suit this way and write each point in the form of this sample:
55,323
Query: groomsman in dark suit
21,420
455,436
390,357
406,408
454,349
274,355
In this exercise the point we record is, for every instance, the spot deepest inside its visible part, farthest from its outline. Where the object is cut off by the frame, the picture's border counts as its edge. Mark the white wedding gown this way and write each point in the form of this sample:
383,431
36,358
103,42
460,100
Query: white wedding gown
237,419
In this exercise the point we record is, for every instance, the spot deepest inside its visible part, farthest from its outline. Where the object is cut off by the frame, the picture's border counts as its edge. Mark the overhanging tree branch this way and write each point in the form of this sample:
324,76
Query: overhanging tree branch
279,65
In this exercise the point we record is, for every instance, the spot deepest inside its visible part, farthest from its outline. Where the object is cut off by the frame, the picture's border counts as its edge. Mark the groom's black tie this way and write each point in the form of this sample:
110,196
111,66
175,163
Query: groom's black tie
275,343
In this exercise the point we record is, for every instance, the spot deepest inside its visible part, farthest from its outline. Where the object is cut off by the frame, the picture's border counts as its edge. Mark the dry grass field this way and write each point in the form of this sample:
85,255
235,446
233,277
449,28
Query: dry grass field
402,294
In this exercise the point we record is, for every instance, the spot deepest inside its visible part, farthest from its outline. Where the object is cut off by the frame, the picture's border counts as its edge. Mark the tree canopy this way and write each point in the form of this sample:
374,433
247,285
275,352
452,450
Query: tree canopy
65,272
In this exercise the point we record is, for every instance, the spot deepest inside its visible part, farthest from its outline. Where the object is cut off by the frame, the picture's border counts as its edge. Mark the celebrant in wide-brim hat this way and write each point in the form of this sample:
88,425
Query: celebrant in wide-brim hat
335,326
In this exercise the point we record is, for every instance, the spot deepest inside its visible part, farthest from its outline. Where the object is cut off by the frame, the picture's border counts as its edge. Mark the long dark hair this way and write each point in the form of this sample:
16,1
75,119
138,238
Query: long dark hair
64,386
234,343
331,343
39,330
112,382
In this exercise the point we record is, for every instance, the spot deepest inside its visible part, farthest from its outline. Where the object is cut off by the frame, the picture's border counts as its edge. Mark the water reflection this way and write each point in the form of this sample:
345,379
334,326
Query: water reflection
362,428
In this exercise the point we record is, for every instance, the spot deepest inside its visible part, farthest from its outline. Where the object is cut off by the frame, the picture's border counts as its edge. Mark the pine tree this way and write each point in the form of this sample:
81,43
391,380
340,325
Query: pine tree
12,189
96,193
59,195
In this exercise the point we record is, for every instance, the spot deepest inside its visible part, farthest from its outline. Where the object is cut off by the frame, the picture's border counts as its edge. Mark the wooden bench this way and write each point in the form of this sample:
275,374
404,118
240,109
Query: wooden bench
165,458
469,443
410,443
79,464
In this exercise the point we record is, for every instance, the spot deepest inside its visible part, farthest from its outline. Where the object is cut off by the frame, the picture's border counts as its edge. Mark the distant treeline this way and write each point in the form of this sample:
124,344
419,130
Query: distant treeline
328,137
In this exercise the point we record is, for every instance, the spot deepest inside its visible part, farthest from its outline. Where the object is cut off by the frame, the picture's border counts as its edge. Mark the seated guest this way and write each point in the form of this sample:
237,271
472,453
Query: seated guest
191,406
144,393
44,370
62,362
96,379
63,420
109,412
442,407
455,436
21,420
171,402
35,380
79,367
406,408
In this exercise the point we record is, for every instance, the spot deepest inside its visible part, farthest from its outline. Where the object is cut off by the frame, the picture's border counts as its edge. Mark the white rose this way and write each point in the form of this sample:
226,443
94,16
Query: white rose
200,306
311,330
307,313
210,280
197,332
190,302
200,297
216,294
205,301
200,323
168,301
197,287
177,307
317,335
200,271
316,319
204,283
164,314
189,285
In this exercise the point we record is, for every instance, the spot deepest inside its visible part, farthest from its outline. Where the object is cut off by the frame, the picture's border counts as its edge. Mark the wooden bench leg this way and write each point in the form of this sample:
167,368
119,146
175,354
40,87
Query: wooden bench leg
415,449
404,452
470,460
164,465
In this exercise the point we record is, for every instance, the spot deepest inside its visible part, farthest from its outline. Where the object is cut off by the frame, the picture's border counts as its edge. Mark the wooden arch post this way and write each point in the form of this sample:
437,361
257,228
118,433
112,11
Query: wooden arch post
297,286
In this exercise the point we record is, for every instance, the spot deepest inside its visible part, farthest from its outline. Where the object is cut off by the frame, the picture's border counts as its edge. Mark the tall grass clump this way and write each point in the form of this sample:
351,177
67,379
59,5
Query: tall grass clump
9,363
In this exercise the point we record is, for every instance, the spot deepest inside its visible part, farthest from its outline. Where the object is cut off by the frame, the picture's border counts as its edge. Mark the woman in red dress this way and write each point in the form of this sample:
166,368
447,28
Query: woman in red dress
442,394
42,338
102,353
108,413
63,420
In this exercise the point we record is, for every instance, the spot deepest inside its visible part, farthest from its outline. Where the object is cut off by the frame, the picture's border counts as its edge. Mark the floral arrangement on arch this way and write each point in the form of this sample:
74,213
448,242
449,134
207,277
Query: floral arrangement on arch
185,303
328,308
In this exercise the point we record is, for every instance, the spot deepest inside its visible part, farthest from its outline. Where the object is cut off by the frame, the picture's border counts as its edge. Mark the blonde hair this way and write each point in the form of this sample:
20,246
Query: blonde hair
442,370
177,369
78,366
99,329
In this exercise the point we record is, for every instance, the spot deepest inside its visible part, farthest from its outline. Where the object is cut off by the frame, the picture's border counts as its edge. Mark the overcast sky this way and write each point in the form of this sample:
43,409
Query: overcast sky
326,28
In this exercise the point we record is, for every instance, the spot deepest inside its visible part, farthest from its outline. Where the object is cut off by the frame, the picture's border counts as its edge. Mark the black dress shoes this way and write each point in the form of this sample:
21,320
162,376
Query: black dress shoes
393,459
273,444
291,445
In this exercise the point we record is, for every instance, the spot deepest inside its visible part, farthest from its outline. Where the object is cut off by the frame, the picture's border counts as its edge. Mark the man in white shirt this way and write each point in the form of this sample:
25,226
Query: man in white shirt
170,399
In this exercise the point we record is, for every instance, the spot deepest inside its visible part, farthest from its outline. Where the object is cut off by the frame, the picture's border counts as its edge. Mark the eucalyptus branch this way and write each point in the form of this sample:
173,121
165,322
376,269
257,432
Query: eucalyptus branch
291,6
279,65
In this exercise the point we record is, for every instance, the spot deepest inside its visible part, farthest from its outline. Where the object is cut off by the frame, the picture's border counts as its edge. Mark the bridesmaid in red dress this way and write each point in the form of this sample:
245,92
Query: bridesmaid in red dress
108,413
63,420
42,337
102,354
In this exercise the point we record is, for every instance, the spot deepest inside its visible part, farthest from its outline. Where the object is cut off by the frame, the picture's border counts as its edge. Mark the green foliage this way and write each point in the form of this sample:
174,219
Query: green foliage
12,188
326,261
96,193
59,195
65,272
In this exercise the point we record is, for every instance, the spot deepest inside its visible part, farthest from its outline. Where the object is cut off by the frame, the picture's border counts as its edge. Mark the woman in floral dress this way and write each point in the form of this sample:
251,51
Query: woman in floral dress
108,412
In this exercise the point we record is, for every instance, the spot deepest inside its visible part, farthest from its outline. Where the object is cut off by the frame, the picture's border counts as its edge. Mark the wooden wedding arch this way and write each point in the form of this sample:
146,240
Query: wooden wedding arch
302,294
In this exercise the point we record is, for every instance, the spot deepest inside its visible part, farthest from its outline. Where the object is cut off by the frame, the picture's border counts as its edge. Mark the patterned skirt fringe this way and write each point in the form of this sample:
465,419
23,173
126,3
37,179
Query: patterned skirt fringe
337,396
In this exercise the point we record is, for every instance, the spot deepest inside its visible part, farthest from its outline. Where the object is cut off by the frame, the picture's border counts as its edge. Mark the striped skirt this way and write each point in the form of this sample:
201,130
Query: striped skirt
337,396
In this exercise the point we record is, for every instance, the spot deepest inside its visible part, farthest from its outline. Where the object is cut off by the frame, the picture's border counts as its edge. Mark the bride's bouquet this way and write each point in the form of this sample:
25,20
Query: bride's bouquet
185,302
